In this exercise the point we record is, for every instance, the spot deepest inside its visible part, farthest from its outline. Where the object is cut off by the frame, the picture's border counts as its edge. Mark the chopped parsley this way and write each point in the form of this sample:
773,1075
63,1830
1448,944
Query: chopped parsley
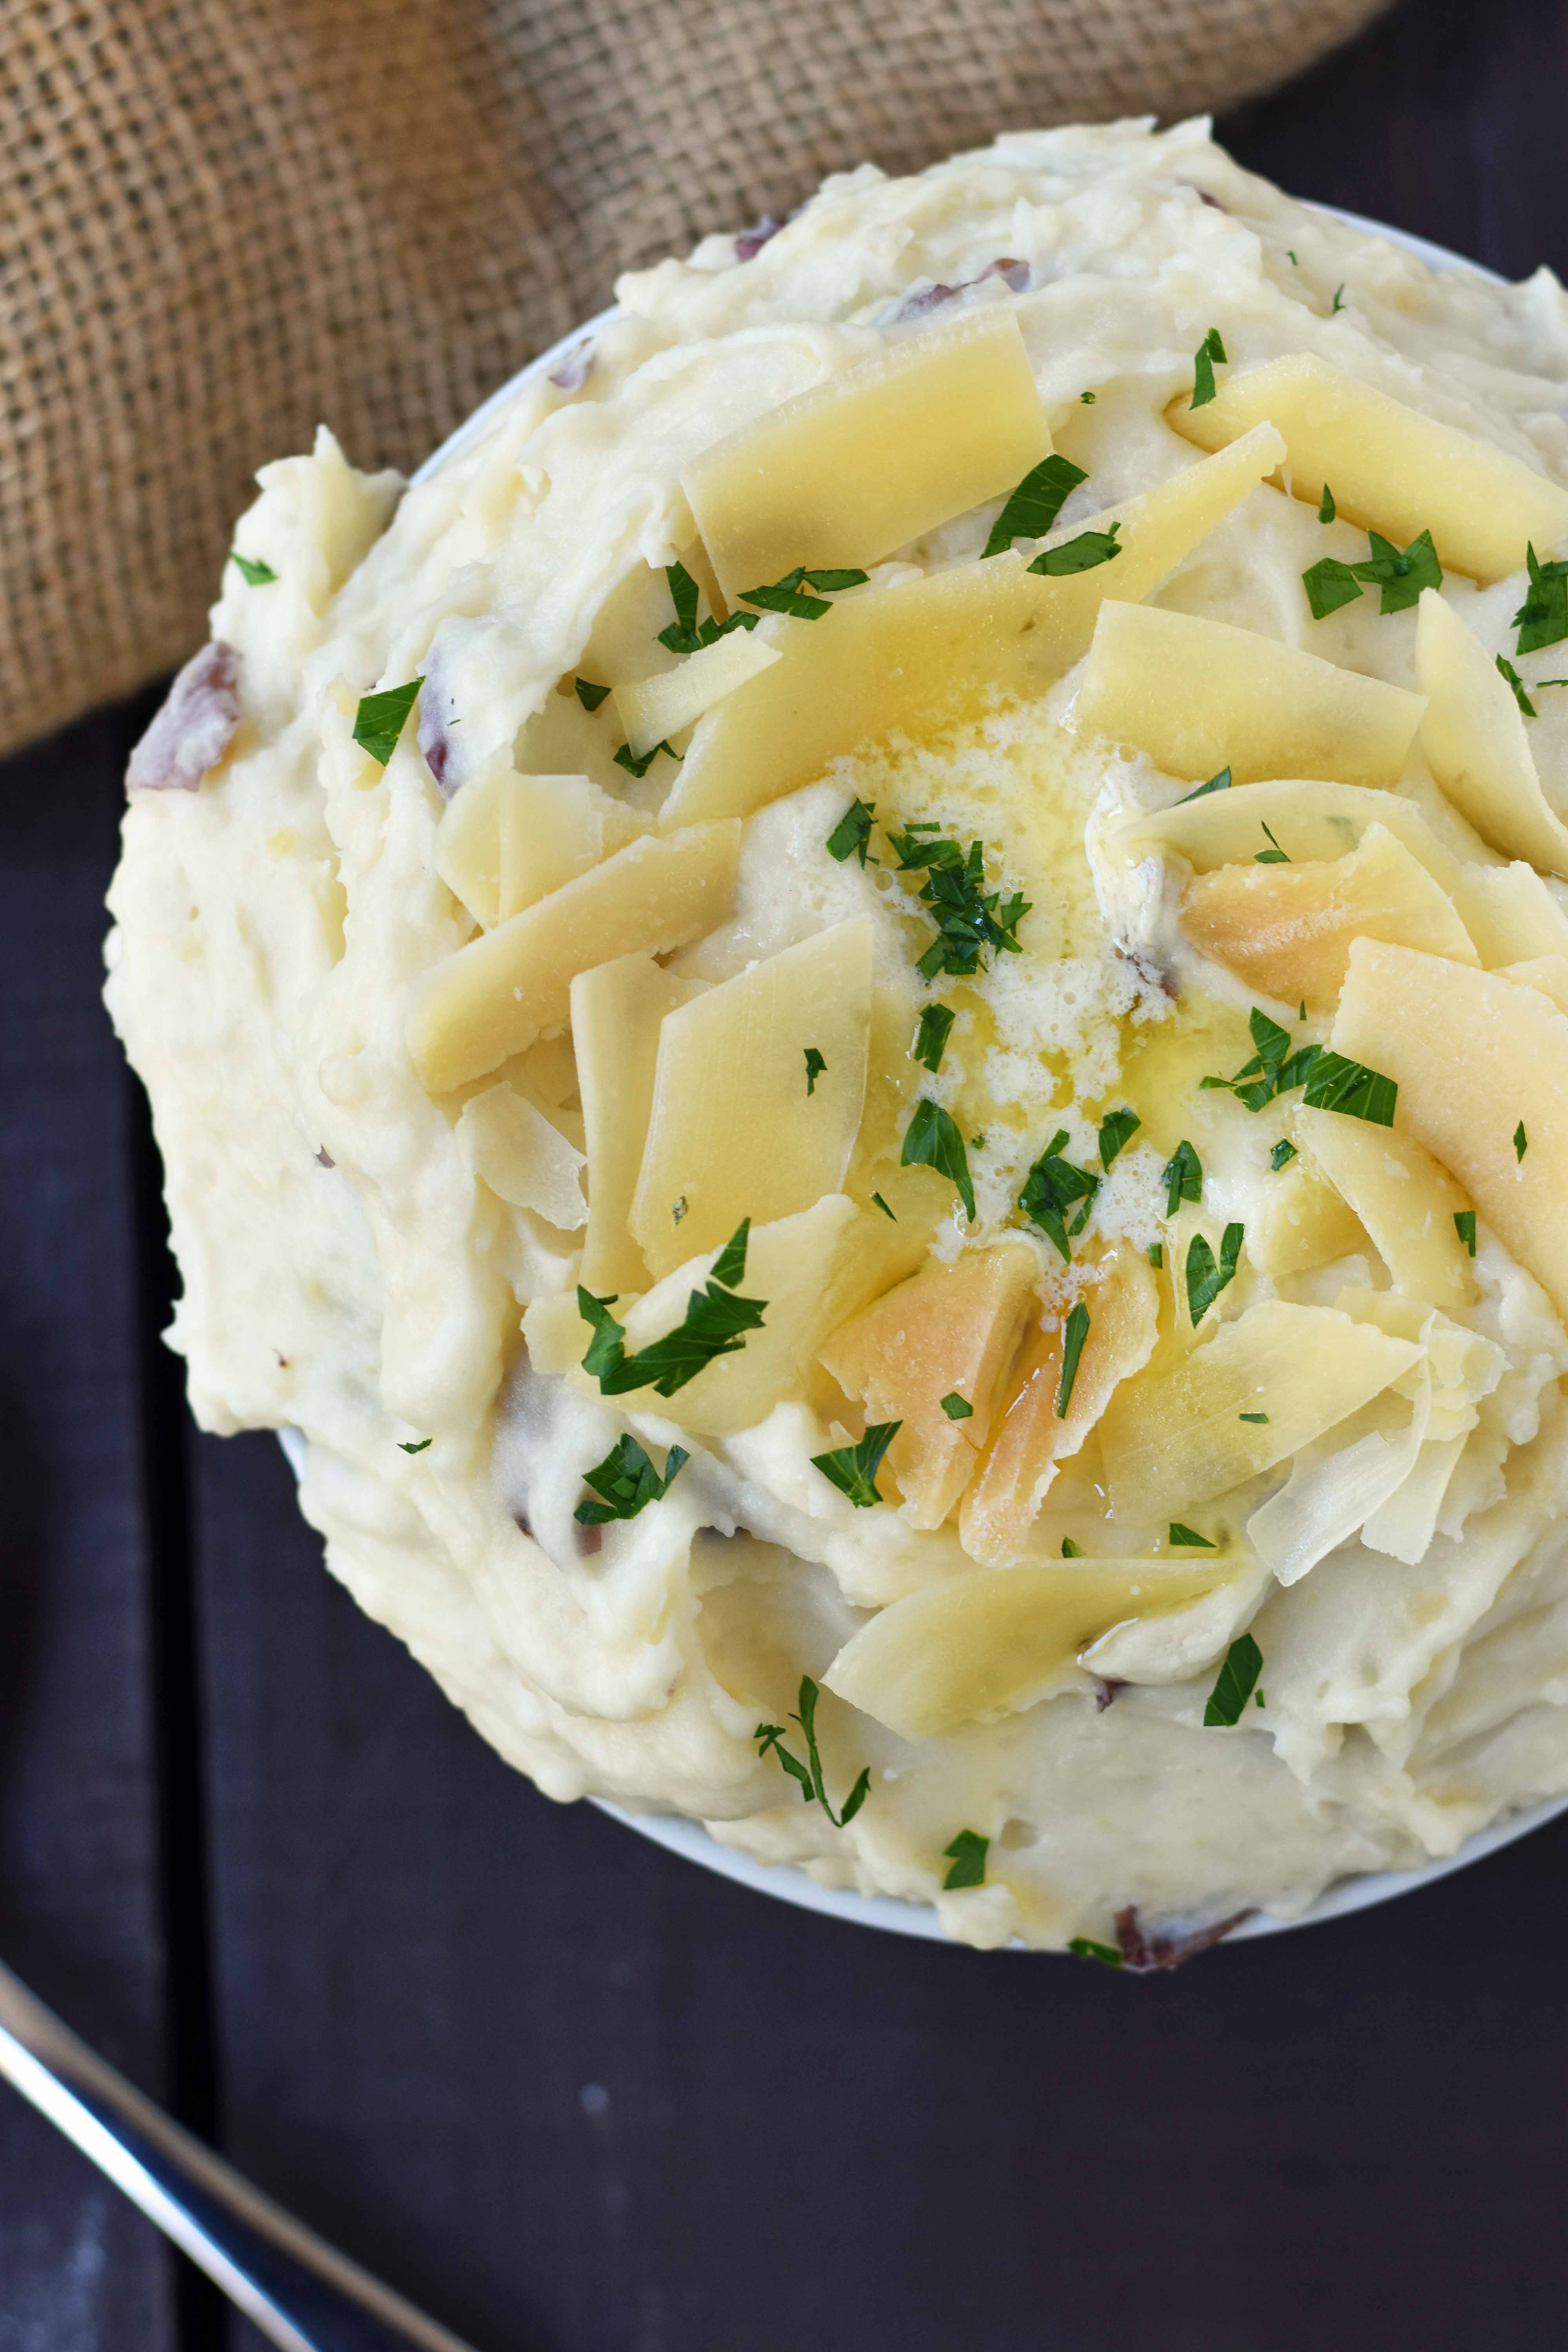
1330,584
933,1141
1542,618
1156,1255
1273,1070
255,574
814,1067
957,1408
1465,1227
686,633
418,1444
1282,1154
715,1324
1052,1187
1189,1537
1339,301
626,1482
1031,510
809,1775
679,1211
1220,783
1237,1678
853,1468
1520,1141
967,1854
1117,1130
381,717
1080,554
851,836
589,695
1336,1083
791,594
1401,576
1327,510
1252,1416
1206,1280
883,1206
1516,685
969,918
1210,350
1273,855
640,767
1087,398
1074,1333
1071,1550
1084,1948
1183,1177
930,1037
1291,258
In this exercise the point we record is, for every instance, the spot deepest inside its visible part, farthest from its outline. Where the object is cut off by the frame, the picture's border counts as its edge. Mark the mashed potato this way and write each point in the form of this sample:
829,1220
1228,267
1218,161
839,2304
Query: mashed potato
869,1022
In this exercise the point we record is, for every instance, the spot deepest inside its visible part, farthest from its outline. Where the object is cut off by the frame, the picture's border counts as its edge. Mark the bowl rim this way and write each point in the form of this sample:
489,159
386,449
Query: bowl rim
788,1882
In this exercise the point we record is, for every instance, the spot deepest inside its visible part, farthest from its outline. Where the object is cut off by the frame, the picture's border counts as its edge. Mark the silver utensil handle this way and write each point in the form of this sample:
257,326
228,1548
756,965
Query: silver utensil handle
299,2291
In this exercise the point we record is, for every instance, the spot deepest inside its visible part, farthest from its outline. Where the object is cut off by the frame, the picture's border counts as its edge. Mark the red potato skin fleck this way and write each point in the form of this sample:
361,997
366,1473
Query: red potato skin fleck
193,728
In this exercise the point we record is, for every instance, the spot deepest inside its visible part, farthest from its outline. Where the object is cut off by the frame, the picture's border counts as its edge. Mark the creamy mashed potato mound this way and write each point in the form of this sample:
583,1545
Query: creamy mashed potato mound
868,1019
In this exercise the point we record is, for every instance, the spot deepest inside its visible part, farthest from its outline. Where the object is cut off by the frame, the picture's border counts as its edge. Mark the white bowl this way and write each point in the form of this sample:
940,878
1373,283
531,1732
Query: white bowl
688,1838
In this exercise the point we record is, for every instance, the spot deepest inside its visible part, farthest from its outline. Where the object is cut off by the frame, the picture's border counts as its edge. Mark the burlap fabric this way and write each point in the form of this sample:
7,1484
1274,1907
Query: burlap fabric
226,219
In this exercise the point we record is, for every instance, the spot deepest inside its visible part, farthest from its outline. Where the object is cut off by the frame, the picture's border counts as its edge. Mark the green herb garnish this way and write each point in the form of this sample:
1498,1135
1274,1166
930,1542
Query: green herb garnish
1088,399
1155,1254
1071,1550
679,1211
1210,350
1283,1152
1084,1948
809,1775
1189,1537
624,758
932,1140
967,1854
419,1444
1542,618
1465,1227
1183,1177
589,695
1117,1130
1326,510
1074,1333
1051,1187
791,594
1080,554
255,574
1520,1141
1252,1416
1330,584
1243,1665
715,1324
851,836
1339,301
1516,685
814,1067
1335,1082
1220,783
626,1482
1401,577
883,1206
1034,506
1273,855
1273,1070
957,1408
686,633
930,1037
1206,1280
381,717
853,1468
969,918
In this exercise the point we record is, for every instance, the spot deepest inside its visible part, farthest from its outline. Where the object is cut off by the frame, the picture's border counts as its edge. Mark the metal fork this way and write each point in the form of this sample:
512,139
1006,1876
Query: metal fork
298,2290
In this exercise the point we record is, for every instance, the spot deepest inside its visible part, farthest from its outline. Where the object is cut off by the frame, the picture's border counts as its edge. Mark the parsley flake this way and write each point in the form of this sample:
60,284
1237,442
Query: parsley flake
791,594
1327,510
419,1444
1220,783
1071,1550
930,1037
1282,1154
809,1775
1051,1187
1330,584
1189,1535
1084,1948
1542,618
814,1067
624,758
380,719
1515,685
626,1482
957,1408
1117,1130
1465,1227
1074,1333
1031,510
1273,855
1336,1083
883,1206
1273,1070
1520,1141
715,1324
851,836
1155,1254
255,574
967,1854
1252,1416
1087,398
1291,258
1339,301
969,918
686,633
589,695
1206,1280
1237,1676
1401,577
853,1468
933,1141
1183,1177
1210,350
1083,553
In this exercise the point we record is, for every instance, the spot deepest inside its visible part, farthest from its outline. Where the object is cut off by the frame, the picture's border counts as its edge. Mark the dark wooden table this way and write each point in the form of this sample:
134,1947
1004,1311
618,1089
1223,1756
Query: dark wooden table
575,2095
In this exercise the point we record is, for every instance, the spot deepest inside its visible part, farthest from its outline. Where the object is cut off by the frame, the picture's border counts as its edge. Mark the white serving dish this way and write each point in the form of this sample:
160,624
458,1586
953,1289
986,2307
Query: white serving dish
789,1885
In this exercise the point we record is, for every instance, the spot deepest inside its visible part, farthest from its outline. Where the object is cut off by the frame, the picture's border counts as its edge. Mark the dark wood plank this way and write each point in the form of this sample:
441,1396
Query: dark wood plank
80,1912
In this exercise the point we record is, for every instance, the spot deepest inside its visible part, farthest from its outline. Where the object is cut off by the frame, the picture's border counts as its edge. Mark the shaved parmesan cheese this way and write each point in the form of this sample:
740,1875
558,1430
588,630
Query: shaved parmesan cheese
1549,973
1178,1438
506,841
1473,735
522,1156
844,473
948,1329
986,1644
1391,469
1404,1199
1032,1439
922,653
1331,1489
1199,696
657,707
1300,1222
1287,930
1472,1056
490,1000
617,1012
734,1132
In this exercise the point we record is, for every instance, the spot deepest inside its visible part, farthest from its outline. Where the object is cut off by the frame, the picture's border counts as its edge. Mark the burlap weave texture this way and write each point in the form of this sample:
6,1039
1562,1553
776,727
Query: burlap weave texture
225,220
